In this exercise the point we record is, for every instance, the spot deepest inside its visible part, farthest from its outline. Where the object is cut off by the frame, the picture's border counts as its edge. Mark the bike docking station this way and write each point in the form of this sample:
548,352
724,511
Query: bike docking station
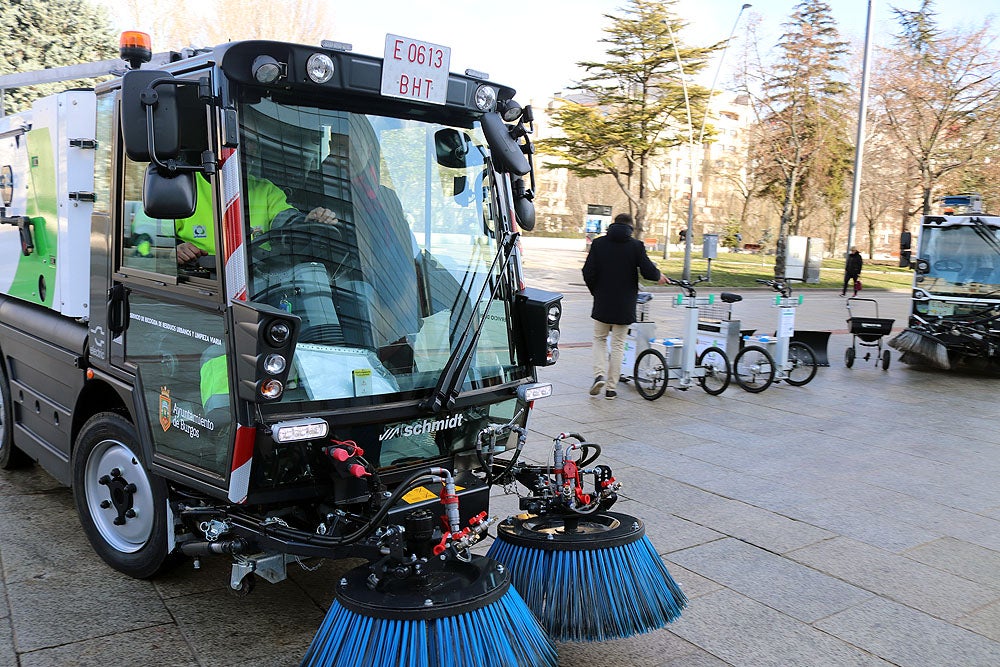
767,359
683,359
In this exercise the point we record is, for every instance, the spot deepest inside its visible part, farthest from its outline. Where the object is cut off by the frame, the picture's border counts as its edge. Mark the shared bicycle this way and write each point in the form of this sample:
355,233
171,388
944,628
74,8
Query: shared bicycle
680,361
768,359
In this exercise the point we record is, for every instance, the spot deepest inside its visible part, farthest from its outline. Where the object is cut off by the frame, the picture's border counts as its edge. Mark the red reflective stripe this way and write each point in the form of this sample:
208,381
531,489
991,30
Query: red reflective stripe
243,449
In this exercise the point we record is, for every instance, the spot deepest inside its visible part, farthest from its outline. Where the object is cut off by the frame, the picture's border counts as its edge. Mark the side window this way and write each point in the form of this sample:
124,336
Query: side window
149,243
102,159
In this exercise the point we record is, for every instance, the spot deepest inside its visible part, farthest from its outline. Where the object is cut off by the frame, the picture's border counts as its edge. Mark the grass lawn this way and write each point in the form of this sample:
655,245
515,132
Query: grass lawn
732,270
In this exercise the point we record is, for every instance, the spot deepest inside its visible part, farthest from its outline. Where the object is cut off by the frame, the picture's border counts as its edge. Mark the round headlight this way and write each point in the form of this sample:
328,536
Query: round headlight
319,67
271,389
553,338
266,69
553,314
278,333
274,364
486,98
553,355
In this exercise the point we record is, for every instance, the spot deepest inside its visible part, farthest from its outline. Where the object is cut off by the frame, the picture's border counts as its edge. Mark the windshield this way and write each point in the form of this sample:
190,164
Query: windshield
963,260
380,234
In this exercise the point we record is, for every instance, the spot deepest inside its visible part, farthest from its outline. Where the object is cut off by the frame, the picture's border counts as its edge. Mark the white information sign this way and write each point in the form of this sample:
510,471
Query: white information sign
415,70
786,322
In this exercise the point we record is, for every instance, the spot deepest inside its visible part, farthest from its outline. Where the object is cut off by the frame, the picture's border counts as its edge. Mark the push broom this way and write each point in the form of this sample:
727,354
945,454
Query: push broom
587,574
922,345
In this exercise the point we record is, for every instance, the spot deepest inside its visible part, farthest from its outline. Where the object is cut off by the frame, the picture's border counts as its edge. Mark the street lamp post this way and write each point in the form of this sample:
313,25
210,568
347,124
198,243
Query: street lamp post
701,135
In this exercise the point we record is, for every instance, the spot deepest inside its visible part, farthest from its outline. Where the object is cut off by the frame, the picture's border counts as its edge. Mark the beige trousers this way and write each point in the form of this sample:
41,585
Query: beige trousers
610,368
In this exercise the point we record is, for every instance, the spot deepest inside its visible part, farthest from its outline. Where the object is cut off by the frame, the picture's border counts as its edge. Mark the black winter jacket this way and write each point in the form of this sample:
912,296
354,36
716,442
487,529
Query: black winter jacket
853,266
611,274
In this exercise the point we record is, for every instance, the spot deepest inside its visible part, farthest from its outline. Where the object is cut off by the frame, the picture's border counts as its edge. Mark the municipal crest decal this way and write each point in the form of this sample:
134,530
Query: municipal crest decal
165,408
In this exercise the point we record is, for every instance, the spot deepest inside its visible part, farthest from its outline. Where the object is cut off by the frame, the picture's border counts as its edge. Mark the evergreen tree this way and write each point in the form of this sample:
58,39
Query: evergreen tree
801,110
632,105
40,34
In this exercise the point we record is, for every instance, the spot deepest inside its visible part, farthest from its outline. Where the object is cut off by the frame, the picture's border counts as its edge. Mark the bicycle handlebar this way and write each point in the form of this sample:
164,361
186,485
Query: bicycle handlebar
686,285
780,286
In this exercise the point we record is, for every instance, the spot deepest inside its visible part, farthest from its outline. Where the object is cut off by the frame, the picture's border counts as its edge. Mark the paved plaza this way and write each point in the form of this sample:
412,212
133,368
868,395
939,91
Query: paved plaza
852,521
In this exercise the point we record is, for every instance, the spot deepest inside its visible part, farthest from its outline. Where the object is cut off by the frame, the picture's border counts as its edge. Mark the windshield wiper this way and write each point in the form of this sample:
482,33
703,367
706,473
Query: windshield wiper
453,374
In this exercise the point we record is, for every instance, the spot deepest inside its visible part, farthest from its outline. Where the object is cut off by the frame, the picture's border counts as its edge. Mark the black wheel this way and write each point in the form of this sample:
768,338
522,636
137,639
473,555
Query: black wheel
123,507
650,374
802,362
849,355
753,369
885,359
715,364
10,456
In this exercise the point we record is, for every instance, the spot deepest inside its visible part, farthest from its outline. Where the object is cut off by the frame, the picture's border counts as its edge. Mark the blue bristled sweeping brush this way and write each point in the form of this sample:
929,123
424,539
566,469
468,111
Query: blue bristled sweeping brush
465,616
588,578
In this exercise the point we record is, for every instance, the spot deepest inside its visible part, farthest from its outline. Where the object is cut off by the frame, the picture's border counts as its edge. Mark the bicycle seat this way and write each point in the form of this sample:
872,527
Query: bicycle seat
644,297
729,297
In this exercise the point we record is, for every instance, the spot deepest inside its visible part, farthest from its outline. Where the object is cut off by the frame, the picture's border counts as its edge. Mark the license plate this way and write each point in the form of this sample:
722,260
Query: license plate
415,70
940,308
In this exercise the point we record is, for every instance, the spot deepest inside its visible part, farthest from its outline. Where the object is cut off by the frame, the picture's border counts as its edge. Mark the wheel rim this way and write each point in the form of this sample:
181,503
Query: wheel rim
650,375
803,364
119,496
754,372
716,372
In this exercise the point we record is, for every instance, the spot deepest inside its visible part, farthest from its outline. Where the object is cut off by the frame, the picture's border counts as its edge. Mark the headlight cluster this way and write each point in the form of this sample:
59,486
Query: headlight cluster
265,343
539,313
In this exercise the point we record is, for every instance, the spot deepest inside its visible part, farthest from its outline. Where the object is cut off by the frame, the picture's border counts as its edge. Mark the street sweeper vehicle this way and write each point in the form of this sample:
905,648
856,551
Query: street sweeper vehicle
265,302
955,311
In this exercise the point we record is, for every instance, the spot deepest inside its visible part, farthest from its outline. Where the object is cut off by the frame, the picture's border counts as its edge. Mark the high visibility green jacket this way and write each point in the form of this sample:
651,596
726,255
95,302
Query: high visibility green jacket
266,202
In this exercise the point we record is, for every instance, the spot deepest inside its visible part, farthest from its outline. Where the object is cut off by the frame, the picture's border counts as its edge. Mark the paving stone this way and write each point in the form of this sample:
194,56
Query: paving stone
652,649
270,626
742,632
32,548
985,621
896,577
161,645
692,584
968,561
862,525
794,589
58,608
905,636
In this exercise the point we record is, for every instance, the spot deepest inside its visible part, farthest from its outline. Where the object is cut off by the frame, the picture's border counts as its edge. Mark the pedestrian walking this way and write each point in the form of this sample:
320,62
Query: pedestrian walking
852,271
611,272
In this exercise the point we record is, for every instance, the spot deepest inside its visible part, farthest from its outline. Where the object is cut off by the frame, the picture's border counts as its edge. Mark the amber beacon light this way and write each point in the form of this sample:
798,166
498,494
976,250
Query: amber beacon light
135,48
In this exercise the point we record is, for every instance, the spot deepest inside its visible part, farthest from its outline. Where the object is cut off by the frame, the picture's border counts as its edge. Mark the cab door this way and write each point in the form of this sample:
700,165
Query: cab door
173,334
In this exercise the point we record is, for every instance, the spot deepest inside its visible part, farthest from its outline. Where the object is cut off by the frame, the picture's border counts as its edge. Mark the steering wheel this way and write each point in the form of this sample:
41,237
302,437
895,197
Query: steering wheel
947,265
297,242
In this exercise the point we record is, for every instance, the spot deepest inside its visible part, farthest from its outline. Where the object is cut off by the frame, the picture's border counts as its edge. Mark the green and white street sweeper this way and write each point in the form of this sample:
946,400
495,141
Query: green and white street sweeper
265,301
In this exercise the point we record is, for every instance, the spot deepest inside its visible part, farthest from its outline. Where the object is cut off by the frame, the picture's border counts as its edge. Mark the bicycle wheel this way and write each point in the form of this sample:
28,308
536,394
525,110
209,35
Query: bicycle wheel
715,365
650,374
802,364
753,369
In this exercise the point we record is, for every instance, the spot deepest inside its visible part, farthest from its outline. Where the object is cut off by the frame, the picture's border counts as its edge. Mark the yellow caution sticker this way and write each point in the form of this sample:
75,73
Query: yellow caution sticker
422,494
419,495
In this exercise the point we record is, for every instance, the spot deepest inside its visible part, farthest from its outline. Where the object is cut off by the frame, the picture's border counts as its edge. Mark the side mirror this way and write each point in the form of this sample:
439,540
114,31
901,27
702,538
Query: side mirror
524,207
507,154
452,148
138,95
168,197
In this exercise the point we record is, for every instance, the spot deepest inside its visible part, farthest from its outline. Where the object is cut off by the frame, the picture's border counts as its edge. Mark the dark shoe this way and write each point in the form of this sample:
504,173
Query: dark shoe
598,385
611,394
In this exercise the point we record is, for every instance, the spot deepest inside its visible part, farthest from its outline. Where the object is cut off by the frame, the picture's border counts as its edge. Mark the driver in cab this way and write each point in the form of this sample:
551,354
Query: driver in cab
268,208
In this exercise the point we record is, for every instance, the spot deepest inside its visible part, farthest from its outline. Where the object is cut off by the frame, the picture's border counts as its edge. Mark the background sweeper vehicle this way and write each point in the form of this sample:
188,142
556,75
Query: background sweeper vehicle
955,313
265,301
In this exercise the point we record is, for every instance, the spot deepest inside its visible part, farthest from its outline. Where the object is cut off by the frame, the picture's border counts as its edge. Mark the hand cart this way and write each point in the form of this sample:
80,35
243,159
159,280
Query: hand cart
867,332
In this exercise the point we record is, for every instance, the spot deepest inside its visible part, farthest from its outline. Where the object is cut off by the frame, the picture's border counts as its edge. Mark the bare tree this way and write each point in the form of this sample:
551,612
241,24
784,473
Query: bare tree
940,93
